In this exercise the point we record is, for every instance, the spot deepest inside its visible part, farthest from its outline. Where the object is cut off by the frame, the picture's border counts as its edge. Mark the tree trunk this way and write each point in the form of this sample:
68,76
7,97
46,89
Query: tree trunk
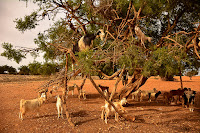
65,81
64,95
181,79
136,81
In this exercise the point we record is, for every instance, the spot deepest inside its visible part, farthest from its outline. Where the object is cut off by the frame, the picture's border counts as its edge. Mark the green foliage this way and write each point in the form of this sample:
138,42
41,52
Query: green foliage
191,73
11,53
2,70
48,69
12,70
29,22
134,57
57,31
9,69
35,68
107,68
24,70
157,15
166,63
86,62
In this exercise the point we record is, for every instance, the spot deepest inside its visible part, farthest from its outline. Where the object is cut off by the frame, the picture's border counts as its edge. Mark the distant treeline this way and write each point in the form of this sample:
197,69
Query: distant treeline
34,68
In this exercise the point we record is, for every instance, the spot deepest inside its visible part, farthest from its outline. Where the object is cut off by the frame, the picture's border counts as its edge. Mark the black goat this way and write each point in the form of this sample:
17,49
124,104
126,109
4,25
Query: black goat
188,99
85,42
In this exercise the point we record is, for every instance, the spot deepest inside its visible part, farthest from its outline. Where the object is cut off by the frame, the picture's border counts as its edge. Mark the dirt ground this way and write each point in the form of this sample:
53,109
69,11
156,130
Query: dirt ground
150,117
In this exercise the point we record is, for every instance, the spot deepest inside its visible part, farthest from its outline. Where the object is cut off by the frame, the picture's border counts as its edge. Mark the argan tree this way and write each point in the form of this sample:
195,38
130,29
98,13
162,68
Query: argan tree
167,42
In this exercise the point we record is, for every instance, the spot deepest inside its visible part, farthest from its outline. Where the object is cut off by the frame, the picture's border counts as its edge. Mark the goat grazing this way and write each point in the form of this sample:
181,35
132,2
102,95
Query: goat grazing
29,105
59,105
107,109
188,99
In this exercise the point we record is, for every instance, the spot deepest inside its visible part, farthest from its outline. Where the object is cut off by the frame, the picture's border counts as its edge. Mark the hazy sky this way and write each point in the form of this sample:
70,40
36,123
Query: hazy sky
9,11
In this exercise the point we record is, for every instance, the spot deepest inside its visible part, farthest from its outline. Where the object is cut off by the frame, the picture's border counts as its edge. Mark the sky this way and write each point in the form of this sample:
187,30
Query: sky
9,11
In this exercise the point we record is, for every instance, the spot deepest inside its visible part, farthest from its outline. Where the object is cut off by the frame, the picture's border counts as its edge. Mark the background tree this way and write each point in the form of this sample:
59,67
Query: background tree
2,69
35,68
191,73
24,70
7,68
48,69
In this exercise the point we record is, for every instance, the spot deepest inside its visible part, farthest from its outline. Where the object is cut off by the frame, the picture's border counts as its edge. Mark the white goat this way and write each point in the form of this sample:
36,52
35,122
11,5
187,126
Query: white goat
136,94
141,36
108,109
145,93
59,105
28,105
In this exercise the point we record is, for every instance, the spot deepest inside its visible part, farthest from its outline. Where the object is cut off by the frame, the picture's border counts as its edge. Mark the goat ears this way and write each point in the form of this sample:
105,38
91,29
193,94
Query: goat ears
100,31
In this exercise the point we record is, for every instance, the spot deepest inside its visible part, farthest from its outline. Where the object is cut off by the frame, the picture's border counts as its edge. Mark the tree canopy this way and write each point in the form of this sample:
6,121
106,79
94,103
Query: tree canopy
173,26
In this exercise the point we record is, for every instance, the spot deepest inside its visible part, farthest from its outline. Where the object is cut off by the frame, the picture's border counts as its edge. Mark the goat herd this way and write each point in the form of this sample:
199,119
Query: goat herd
186,96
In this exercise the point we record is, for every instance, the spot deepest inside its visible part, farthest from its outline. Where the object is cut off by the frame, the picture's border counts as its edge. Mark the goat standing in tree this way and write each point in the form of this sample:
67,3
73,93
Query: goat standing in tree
141,36
85,42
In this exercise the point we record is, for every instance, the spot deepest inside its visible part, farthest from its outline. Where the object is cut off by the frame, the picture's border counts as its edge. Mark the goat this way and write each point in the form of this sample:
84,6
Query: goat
107,109
82,93
155,95
145,93
28,105
167,98
110,110
125,77
40,92
54,89
103,88
59,105
189,99
71,88
178,93
136,94
141,36
85,43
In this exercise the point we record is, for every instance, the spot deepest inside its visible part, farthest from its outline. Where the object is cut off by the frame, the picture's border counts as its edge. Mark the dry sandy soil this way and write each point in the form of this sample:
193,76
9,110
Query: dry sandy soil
150,117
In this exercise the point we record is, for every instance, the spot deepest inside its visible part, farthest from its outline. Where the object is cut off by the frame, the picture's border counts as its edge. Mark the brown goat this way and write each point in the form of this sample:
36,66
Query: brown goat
178,93
103,88
167,98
